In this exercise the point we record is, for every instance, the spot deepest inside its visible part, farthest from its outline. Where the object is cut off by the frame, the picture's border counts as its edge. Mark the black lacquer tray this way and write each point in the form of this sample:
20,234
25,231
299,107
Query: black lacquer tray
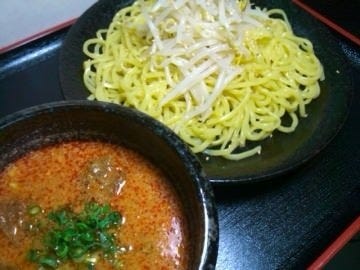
283,223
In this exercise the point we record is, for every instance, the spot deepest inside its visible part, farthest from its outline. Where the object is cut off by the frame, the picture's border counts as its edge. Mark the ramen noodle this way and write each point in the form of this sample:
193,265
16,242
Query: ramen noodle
220,73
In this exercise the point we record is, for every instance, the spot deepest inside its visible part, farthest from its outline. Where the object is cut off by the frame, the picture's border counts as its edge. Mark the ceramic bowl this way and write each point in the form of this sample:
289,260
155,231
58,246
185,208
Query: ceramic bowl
50,123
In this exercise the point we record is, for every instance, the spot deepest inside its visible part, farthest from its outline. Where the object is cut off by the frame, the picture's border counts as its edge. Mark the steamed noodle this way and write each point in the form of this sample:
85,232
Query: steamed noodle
219,73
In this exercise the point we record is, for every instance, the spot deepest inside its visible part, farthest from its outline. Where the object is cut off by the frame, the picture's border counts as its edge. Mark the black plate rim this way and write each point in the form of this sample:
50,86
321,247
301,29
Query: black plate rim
275,171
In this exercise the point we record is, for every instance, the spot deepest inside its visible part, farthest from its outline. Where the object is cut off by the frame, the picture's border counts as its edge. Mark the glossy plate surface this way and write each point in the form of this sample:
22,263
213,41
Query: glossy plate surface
282,152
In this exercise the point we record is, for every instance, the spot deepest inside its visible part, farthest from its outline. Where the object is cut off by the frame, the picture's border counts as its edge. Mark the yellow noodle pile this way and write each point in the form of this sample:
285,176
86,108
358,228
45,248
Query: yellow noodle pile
218,77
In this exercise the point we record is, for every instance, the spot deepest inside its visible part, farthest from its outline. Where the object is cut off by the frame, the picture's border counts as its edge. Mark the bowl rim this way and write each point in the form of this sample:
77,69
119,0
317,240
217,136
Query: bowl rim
192,164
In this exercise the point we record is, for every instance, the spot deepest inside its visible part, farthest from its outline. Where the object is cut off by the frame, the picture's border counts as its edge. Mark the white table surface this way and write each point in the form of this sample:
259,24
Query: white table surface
24,20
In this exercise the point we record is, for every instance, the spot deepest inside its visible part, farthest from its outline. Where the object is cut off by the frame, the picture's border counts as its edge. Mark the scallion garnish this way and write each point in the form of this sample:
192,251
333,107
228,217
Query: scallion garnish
73,237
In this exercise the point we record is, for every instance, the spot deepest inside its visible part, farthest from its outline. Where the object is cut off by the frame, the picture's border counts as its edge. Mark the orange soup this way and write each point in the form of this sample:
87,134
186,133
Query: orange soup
49,188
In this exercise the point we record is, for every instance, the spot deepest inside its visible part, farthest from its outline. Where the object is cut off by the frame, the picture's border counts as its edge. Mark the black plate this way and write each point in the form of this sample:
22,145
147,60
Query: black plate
282,152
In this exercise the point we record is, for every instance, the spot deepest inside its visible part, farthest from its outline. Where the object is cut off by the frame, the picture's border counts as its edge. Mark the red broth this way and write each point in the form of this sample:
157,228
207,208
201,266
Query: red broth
154,230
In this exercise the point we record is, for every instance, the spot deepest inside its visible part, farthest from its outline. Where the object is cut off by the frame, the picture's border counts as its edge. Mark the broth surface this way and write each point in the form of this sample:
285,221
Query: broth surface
154,229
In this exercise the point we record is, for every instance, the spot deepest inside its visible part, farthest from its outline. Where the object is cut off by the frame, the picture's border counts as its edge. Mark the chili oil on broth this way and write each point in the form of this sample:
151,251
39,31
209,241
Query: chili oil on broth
154,227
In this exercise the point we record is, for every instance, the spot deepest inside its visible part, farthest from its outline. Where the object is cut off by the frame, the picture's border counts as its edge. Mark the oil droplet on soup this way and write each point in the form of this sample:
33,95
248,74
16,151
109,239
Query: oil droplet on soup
153,233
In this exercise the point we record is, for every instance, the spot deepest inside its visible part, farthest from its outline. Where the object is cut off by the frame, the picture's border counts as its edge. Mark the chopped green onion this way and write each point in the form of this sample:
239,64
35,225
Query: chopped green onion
76,237
34,210
48,261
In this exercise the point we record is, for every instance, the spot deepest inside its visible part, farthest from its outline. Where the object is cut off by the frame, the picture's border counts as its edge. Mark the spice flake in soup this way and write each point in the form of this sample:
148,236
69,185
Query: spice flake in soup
89,205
